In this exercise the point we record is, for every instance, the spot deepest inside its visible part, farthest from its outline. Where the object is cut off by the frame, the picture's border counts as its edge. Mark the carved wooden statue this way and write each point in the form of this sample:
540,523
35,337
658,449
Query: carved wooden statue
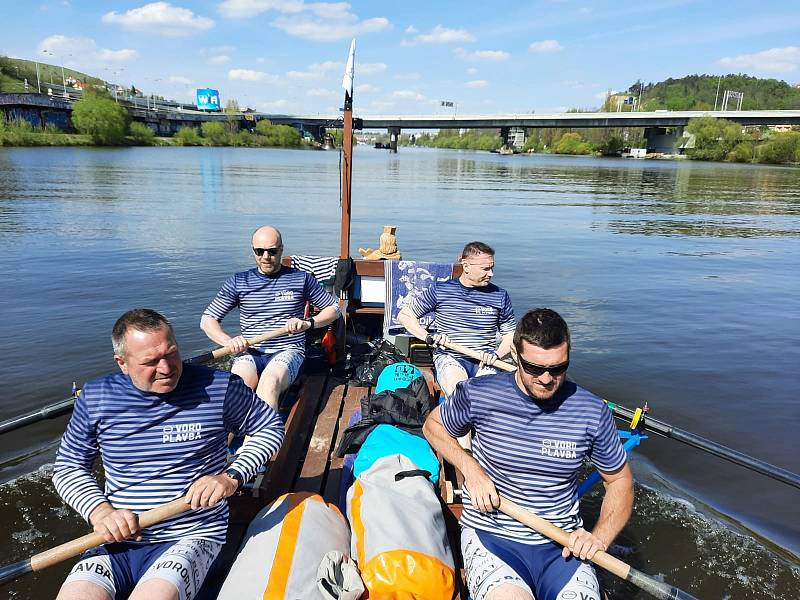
388,246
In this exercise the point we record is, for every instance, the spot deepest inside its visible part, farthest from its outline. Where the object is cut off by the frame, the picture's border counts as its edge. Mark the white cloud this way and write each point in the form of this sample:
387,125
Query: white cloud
219,59
441,35
179,79
276,106
366,88
472,71
317,71
124,55
250,75
316,21
411,29
319,29
321,93
369,68
407,76
482,55
240,9
160,18
545,46
774,60
476,84
408,95
70,51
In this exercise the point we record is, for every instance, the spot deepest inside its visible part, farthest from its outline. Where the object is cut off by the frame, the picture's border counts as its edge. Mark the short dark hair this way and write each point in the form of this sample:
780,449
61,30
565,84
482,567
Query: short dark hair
475,248
141,319
541,327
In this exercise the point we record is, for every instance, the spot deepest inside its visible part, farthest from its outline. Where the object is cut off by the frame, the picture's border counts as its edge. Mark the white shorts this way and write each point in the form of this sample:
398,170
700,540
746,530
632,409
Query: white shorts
464,366
485,571
118,568
292,359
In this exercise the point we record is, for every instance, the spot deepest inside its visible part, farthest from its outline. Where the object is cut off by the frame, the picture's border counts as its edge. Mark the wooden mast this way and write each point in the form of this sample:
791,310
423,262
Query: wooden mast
347,151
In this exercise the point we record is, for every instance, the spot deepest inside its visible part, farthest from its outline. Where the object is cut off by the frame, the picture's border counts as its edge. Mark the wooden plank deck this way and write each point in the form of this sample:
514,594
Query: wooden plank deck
306,462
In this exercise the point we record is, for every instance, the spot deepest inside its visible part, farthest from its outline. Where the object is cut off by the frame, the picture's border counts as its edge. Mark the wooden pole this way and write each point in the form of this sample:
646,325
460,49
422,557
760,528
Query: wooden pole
347,173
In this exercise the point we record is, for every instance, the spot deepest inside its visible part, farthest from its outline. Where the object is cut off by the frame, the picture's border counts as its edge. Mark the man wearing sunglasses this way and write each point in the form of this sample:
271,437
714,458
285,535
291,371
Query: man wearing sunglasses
470,311
269,297
532,429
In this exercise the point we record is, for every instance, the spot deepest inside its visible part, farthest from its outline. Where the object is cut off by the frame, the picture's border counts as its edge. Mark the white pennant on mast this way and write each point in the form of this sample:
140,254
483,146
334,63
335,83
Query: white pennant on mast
347,80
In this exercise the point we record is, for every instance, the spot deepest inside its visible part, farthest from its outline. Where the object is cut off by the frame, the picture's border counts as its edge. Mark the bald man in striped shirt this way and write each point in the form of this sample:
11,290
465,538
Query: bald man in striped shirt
269,297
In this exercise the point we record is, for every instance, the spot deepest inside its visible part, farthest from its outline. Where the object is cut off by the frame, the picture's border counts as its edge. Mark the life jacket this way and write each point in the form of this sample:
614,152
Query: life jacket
283,548
399,535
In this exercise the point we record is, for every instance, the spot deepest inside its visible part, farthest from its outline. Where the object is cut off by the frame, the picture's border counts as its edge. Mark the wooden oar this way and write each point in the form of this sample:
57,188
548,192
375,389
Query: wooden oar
64,406
500,364
666,430
602,559
225,351
73,548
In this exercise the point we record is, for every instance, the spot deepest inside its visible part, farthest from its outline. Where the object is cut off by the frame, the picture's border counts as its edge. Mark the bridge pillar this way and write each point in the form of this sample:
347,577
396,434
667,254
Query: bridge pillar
394,135
658,140
504,134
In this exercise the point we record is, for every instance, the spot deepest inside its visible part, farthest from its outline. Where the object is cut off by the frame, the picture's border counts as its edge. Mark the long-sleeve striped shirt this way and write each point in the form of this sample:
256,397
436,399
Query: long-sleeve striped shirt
266,302
470,316
531,451
154,446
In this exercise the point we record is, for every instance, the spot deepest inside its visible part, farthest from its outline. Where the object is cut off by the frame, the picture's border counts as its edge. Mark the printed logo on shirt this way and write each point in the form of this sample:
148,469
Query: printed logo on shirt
285,295
484,310
559,448
182,432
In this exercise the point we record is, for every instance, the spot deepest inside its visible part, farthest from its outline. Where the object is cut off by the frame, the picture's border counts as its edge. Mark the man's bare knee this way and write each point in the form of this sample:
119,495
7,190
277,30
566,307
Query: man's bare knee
272,384
449,379
247,372
82,590
155,589
508,591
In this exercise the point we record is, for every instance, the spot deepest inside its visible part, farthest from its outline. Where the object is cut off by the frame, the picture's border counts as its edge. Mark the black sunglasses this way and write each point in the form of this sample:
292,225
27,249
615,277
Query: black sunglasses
539,370
271,251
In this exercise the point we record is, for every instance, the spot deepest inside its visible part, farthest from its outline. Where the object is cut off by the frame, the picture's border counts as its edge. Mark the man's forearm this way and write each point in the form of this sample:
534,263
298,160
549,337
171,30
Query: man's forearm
213,329
411,322
504,349
446,445
326,316
616,508
79,489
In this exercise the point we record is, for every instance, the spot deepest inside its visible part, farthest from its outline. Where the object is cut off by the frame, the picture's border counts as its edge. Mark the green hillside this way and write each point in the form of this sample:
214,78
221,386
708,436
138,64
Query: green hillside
697,92
13,72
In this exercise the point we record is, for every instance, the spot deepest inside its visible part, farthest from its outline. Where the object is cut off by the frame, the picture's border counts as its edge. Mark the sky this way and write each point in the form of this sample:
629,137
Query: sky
500,57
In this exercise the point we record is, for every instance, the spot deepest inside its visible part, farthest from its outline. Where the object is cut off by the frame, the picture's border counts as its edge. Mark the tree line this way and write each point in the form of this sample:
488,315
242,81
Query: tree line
101,121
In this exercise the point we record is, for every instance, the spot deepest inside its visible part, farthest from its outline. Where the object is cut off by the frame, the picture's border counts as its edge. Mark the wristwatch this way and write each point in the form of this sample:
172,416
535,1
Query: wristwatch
236,476
310,322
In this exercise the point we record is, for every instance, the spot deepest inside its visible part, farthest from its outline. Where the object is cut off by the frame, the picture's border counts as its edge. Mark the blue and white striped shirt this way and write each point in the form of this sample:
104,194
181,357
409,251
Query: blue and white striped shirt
470,316
154,446
531,452
266,302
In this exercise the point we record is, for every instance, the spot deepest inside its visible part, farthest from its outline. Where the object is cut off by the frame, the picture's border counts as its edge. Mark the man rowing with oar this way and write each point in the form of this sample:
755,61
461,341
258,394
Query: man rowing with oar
532,430
268,297
161,428
471,311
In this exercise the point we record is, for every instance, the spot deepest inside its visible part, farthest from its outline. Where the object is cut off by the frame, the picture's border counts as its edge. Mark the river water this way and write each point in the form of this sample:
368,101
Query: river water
679,281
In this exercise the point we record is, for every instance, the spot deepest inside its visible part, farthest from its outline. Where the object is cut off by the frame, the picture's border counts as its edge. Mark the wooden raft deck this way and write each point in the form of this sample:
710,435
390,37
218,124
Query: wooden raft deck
306,462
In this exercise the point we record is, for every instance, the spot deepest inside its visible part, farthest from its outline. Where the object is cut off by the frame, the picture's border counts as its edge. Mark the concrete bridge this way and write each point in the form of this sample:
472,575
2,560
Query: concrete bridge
165,118
654,123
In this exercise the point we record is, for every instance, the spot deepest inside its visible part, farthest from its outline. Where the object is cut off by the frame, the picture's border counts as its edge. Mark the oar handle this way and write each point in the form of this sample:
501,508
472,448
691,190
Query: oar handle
225,351
555,533
601,558
75,547
500,364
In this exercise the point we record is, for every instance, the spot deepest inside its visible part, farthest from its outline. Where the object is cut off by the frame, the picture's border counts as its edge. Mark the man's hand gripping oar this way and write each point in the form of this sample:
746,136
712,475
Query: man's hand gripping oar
248,342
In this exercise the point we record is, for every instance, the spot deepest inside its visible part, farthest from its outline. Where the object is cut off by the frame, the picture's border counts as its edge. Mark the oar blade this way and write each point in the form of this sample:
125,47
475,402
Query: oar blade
657,589
11,572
